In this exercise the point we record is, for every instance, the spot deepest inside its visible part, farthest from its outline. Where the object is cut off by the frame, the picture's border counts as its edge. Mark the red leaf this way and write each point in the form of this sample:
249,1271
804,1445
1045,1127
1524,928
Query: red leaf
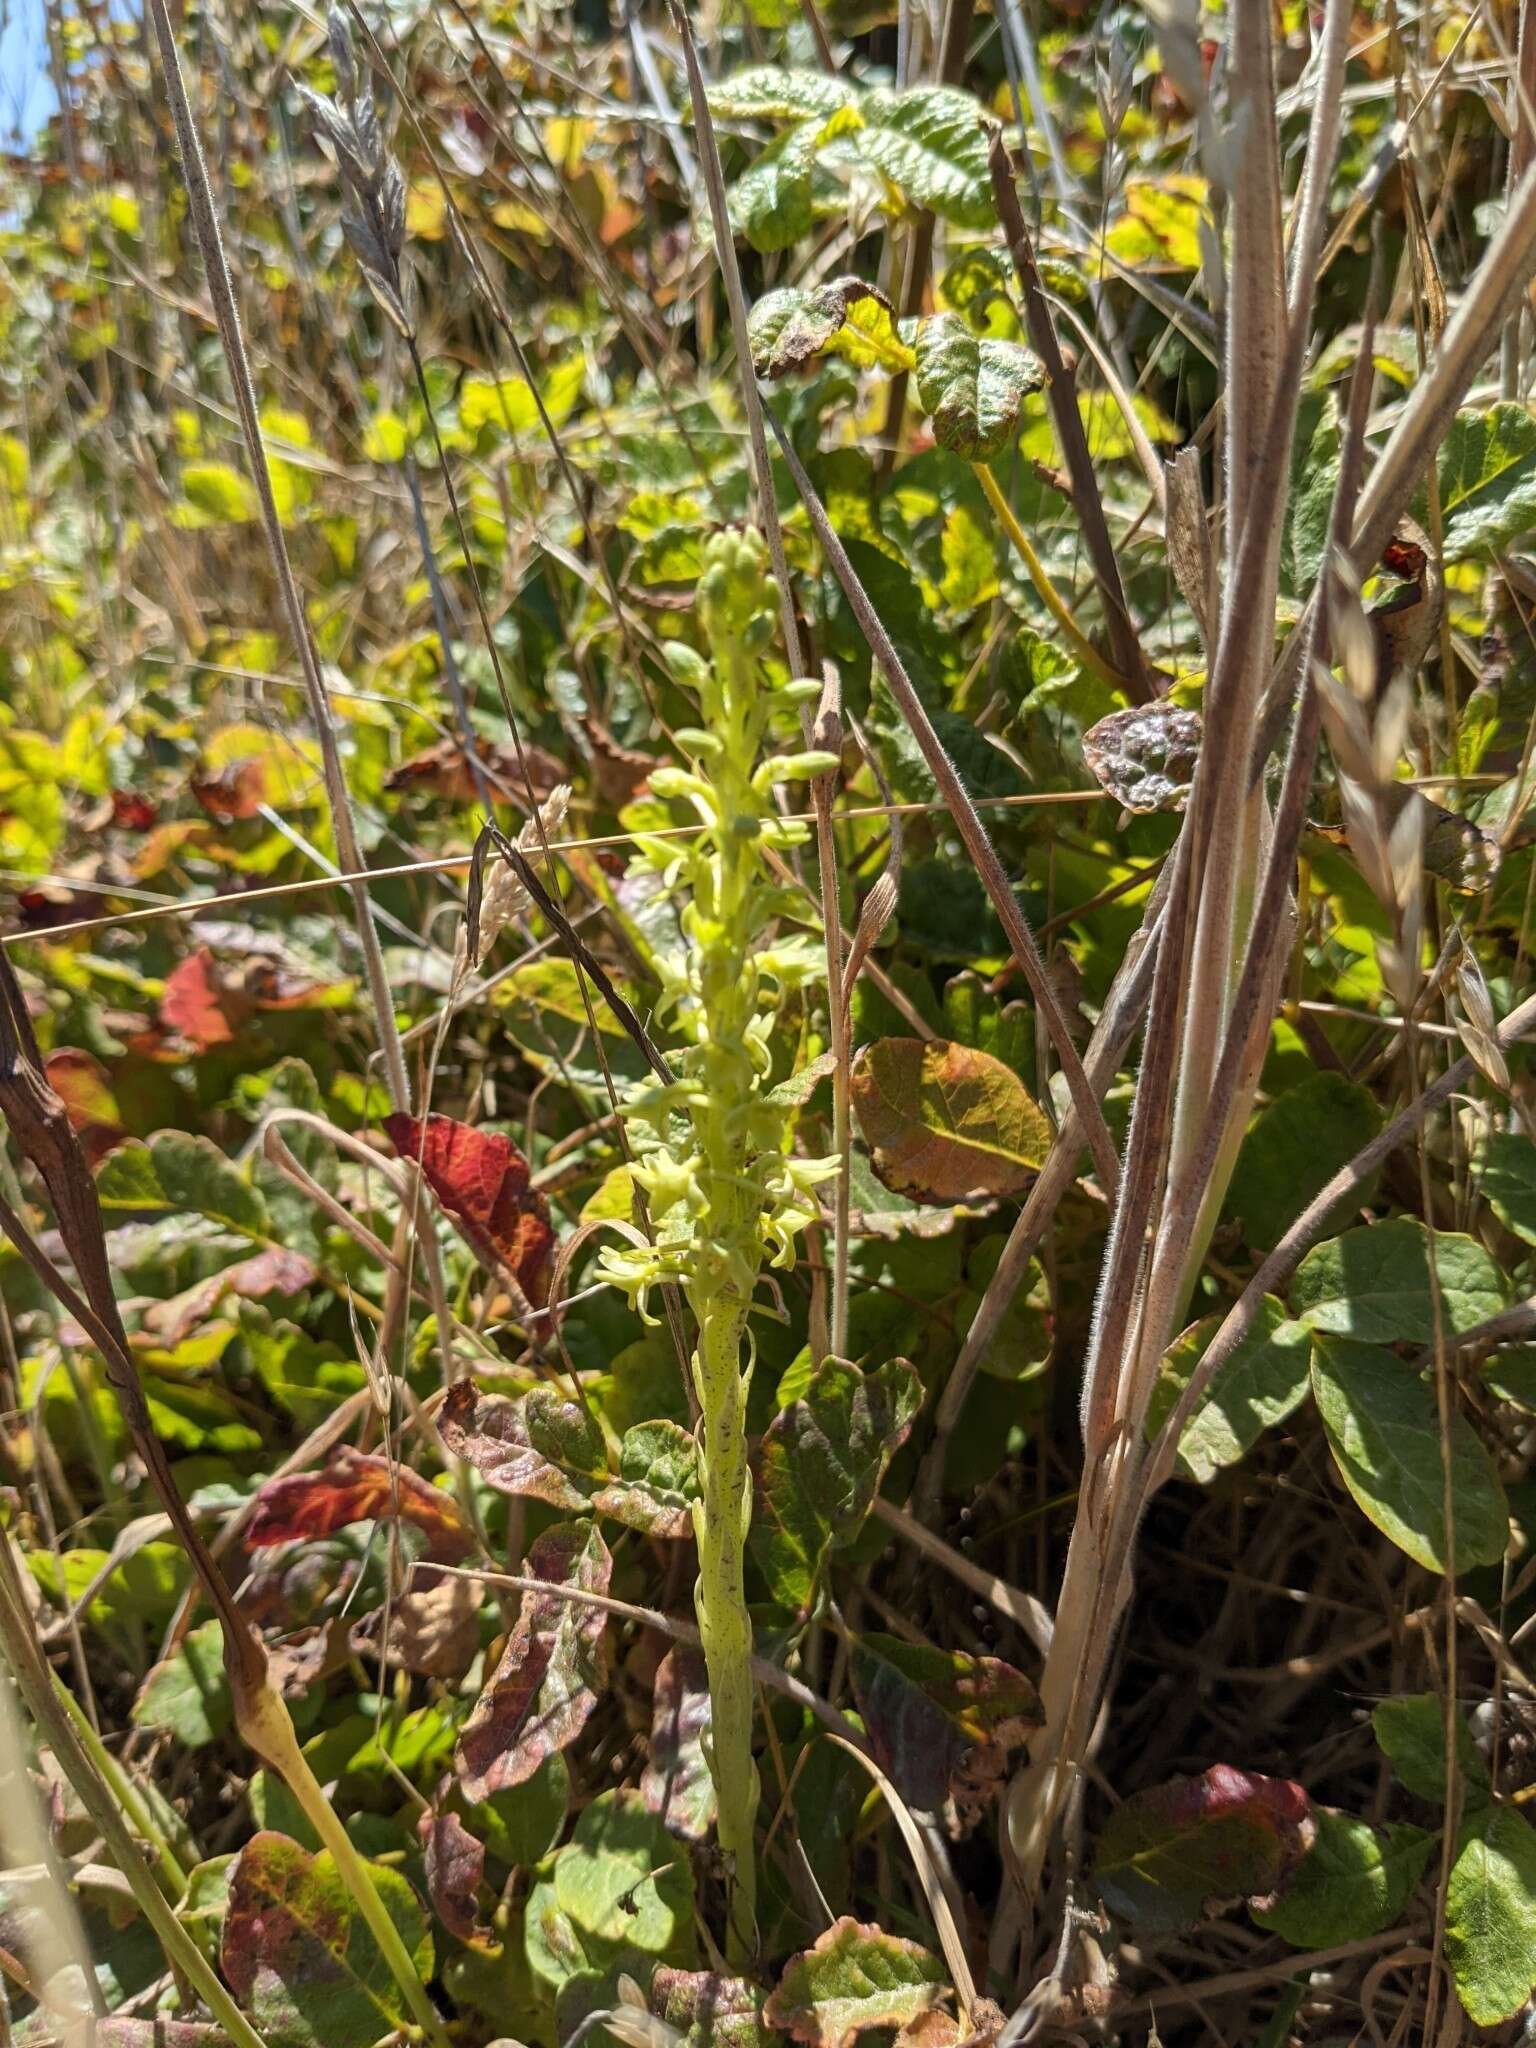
133,812
354,1487
455,1866
197,1004
482,1180
1170,1854
551,1672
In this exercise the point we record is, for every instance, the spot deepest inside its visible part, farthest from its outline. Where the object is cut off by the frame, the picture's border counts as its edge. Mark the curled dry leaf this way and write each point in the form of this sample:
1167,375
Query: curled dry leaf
355,1487
855,1976
431,1628
945,1121
677,1784
551,1673
445,771
482,1181
1172,1853
1145,757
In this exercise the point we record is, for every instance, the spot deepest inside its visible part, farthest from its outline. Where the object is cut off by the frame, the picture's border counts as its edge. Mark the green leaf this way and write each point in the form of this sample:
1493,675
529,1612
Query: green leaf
1508,1182
854,1977
1410,1729
1374,1283
822,1462
1490,1916
1511,1374
215,495
1487,479
930,143
1383,1428
1351,1883
1314,478
1168,1854
1294,1148
175,1171
618,1894
770,93
301,1960
1264,1381
846,317
974,389
772,202
189,1693
944,1121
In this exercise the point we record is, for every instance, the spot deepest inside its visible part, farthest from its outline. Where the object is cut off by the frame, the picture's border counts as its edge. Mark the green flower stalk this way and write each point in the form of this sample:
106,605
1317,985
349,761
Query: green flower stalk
710,1147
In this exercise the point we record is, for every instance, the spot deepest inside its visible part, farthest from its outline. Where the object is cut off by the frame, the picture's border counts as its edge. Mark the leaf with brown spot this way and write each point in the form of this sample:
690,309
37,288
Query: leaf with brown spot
482,1181
551,1673
455,1864
854,1977
677,1784
302,1961
355,1487
945,1121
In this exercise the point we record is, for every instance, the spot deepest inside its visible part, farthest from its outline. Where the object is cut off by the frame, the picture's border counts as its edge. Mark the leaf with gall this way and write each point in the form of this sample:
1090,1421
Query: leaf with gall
482,1181
1170,1854
355,1487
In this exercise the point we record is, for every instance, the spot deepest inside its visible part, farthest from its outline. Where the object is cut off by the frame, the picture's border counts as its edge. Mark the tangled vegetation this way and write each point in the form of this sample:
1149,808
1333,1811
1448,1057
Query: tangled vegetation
769,1194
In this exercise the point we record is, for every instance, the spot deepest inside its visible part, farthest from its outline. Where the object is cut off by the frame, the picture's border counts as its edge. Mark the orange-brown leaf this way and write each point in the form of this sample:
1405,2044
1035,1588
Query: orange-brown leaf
355,1487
